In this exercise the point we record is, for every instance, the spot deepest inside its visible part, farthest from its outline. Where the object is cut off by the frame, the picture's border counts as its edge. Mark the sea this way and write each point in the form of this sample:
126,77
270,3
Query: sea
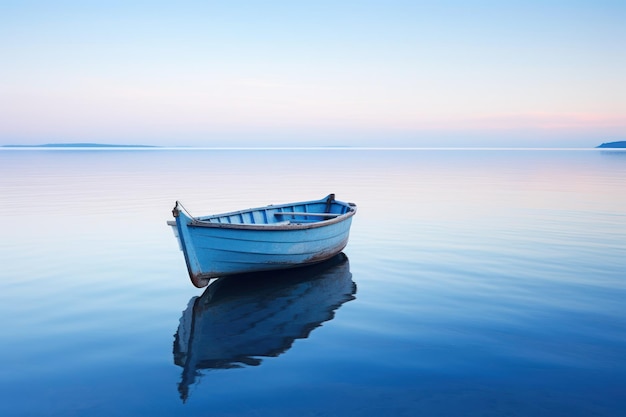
476,282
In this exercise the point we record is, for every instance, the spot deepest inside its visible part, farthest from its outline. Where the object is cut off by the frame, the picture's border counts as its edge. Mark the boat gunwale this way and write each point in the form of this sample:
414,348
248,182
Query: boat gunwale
285,226
292,225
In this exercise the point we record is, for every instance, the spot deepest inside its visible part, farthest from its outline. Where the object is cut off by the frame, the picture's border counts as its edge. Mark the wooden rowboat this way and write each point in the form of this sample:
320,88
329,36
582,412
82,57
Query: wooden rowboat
261,239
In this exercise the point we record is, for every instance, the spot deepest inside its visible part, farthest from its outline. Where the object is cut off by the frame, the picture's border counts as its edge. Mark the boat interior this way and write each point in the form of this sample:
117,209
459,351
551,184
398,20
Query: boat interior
310,212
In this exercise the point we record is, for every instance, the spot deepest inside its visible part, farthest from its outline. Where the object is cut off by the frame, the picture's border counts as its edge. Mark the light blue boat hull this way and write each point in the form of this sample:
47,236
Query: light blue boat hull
262,239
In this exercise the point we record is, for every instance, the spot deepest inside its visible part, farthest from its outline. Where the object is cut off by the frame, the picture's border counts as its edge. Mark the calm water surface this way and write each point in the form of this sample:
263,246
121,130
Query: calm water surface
475,283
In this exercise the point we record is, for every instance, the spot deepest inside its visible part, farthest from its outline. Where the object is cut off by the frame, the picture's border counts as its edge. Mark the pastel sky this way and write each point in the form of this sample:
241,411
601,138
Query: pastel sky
299,73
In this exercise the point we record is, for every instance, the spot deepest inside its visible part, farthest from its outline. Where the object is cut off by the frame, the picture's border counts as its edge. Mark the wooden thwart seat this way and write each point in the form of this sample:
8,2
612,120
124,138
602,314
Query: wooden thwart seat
297,213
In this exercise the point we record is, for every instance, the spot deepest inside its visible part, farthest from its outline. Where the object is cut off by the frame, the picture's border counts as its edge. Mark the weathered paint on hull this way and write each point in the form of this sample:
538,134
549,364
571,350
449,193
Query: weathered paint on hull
212,252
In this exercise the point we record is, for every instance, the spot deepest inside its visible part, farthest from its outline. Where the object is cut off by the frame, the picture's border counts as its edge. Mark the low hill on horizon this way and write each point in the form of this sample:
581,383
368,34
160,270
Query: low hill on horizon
619,144
79,145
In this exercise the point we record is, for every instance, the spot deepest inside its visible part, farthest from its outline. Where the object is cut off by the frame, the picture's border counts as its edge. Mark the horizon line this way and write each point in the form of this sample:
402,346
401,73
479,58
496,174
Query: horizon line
103,147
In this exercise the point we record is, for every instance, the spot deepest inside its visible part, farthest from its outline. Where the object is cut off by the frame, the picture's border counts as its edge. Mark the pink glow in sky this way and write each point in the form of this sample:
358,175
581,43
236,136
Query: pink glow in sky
459,73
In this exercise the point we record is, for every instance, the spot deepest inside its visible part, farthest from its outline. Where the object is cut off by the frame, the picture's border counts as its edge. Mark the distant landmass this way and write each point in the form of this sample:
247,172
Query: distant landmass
621,144
79,145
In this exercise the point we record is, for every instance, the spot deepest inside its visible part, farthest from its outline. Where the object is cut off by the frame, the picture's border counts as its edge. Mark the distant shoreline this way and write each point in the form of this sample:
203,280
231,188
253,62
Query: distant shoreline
79,145
620,144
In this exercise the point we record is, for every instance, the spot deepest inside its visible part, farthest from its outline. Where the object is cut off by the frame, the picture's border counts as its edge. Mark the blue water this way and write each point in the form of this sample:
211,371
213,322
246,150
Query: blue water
477,283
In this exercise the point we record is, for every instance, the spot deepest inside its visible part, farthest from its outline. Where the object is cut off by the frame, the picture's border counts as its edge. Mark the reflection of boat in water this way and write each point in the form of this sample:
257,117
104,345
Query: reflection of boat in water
240,318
